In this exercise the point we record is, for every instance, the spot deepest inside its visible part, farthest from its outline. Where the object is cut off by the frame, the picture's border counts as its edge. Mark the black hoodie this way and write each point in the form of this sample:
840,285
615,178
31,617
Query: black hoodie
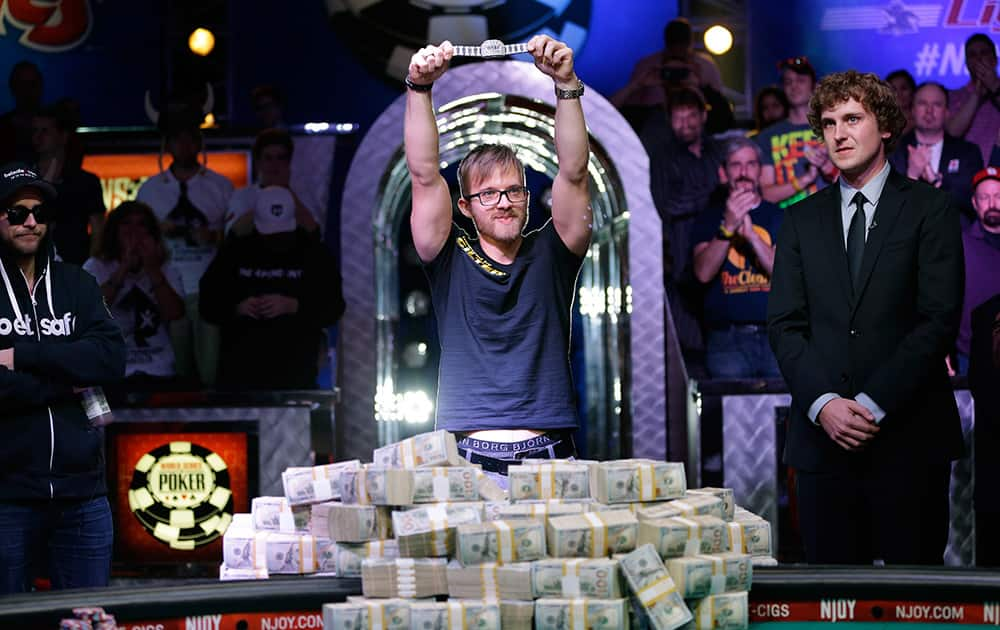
63,337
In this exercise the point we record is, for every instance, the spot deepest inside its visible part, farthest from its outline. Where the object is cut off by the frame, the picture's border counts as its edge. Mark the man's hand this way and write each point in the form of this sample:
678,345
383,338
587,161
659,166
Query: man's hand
737,208
430,62
918,160
848,423
817,156
248,308
274,305
554,59
931,176
746,230
985,74
7,358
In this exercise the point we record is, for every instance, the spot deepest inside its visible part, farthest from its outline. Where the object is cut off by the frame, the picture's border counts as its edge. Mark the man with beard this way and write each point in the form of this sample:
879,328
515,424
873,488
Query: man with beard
734,256
930,154
503,300
982,255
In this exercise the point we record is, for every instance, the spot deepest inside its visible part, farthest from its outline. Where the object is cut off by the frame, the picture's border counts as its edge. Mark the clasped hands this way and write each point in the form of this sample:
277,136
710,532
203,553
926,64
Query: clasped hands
848,423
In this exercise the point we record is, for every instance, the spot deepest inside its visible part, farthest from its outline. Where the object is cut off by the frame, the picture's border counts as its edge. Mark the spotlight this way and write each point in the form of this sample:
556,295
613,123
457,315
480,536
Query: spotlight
415,355
201,41
718,40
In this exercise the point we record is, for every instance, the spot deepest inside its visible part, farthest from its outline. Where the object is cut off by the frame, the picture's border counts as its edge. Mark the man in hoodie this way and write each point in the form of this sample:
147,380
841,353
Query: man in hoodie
56,337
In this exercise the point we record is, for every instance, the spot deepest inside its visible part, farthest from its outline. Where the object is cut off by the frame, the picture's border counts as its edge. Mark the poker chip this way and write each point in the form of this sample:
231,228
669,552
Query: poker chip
385,33
180,493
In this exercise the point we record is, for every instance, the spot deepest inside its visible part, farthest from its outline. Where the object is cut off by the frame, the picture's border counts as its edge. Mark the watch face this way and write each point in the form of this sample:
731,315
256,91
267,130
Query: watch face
384,34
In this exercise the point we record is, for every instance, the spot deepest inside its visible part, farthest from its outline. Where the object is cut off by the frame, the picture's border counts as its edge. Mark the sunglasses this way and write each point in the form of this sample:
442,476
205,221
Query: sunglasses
17,215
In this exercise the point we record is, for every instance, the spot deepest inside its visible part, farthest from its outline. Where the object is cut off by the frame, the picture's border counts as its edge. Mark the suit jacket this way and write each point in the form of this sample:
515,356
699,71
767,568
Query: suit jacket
889,340
984,374
960,160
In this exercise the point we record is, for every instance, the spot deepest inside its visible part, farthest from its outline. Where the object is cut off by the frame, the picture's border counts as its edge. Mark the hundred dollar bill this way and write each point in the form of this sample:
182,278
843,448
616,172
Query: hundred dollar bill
347,561
594,578
457,483
690,505
267,511
226,574
580,613
489,490
377,486
517,615
680,536
492,510
291,553
490,581
752,536
427,449
725,611
649,580
404,577
456,615
727,496
351,523
549,481
592,534
388,614
315,483
546,508
430,530
244,549
634,480
500,541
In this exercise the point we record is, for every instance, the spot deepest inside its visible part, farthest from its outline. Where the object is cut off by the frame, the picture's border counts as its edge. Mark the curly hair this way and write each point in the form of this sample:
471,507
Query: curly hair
875,95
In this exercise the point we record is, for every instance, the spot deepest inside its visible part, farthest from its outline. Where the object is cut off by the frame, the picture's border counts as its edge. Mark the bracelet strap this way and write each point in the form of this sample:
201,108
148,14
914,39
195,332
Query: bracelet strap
724,234
417,87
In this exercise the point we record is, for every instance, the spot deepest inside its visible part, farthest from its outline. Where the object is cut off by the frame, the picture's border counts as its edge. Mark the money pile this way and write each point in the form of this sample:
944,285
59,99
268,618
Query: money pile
315,483
728,500
568,614
636,480
592,534
593,578
490,581
244,549
456,614
680,536
500,541
290,553
750,534
690,505
351,523
348,556
404,577
725,611
654,588
546,508
489,490
517,615
427,449
267,514
429,531
549,481
704,575
388,614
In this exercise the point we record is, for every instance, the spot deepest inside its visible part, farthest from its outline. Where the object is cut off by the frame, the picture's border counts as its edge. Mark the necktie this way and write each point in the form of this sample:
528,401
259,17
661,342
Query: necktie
856,238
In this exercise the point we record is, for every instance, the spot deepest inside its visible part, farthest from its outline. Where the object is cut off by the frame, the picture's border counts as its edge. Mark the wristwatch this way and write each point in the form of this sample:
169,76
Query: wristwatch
576,92
725,234
490,49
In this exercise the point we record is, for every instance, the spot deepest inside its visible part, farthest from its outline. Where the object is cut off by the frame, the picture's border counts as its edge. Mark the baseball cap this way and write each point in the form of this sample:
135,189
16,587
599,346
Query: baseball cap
990,172
798,65
274,211
17,175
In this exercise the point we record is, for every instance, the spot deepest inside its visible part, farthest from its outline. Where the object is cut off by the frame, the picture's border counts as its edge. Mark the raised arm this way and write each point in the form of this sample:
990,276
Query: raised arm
571,213
430,220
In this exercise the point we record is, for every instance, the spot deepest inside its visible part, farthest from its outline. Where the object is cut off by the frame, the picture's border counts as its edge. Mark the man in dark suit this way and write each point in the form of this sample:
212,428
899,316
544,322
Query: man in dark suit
865,303
930,154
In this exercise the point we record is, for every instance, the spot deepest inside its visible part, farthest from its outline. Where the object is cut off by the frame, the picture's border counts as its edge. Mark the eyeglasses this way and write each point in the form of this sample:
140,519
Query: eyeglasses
17,215
490,197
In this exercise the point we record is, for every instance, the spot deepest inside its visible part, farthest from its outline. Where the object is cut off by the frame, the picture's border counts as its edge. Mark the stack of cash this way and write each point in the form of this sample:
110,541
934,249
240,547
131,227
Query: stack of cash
568,614
388,614
489,490
490,581
491,510
546,508
680,536
267,514
517,615
326,557
725,611
592,534
593,578
710,574
549,481
728,500
427,449
750,534
377,486
690,505
316,483
655,589
348,556
520,540
291,553
429,531
244,549
351,523
226,574
404,577
456,614
636,480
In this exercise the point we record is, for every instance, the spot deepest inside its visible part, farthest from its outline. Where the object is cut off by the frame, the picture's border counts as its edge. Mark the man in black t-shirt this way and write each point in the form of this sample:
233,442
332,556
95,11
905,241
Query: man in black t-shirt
503,300
734,256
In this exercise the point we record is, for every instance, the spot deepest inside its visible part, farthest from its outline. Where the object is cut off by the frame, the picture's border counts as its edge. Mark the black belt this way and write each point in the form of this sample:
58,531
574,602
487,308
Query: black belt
560,450
740,328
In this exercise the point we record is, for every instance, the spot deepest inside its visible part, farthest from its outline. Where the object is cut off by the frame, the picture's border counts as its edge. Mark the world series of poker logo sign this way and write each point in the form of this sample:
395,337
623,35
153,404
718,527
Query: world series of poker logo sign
386,33
180,493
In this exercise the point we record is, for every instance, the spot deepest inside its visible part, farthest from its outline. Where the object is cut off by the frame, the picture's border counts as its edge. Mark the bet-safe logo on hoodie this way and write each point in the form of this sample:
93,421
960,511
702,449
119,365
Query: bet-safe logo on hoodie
61,327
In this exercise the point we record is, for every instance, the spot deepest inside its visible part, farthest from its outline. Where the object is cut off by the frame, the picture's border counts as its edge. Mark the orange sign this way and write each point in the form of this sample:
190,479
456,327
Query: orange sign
122,174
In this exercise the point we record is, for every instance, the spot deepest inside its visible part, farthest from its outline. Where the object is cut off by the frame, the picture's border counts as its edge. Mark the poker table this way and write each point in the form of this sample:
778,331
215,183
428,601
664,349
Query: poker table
782,598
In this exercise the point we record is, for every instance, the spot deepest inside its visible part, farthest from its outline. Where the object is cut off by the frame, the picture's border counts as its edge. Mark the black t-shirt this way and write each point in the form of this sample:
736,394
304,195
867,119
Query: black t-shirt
738,293
79,197
504,332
